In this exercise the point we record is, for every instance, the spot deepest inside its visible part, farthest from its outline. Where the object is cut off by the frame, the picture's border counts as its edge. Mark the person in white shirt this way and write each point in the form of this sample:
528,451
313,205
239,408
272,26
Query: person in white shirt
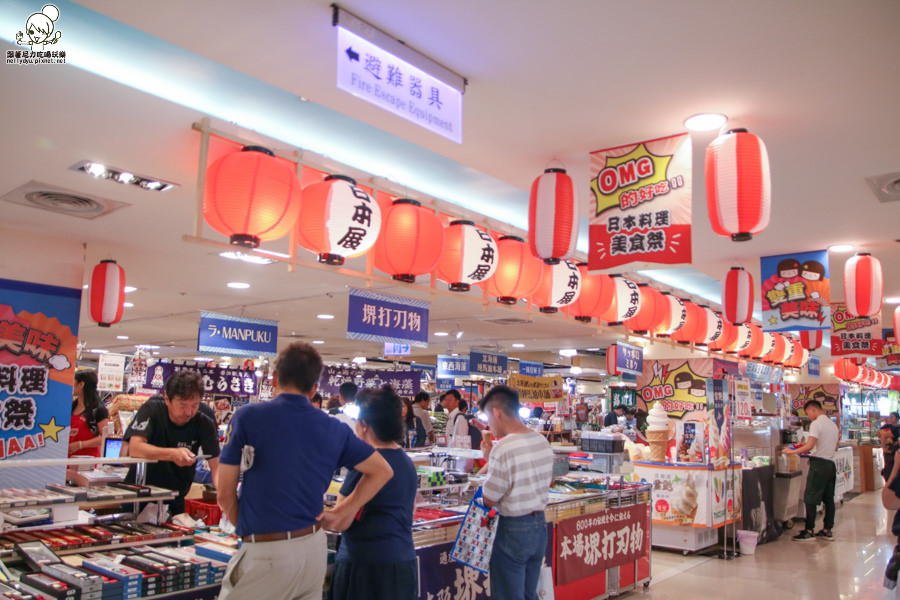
822,446
519,474
348,392
457,425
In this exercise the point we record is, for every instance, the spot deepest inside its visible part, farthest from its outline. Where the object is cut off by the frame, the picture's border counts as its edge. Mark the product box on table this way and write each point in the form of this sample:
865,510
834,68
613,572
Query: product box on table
86,582
9,592
111,588
165,575
217,568
201,566
214,551
184,571
50,586
131,578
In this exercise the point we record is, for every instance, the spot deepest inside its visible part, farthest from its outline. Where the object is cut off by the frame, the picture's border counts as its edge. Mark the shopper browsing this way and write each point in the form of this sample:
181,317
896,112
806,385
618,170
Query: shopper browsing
348,392
172,431
420,409
376,559
287,451
890,498
821,445
89,417
519,474
612,417
457,425
890,435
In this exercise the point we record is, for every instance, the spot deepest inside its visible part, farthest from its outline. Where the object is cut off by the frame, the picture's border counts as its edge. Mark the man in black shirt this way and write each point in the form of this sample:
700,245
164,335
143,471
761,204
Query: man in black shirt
613,417
172,431
890,436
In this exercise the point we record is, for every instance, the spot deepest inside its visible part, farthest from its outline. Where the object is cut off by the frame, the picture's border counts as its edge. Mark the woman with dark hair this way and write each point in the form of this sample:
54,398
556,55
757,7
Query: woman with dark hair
89,417
376,559
413,429
316,400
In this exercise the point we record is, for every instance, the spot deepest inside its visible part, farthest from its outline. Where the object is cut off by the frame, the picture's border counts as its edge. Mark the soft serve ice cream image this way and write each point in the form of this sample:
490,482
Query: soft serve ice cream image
658,432
683,501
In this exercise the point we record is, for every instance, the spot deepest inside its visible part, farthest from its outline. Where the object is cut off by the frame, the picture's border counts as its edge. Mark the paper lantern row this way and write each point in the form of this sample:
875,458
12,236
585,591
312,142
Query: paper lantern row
849,371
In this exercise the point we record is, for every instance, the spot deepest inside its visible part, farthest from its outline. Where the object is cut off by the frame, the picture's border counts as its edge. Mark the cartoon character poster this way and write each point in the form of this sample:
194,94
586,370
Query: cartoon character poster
827,394
795,291
640,205
38,342
854,335
890,352
679,384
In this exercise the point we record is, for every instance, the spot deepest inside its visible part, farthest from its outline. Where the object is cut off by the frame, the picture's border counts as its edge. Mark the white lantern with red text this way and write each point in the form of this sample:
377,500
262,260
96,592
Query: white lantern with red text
552,216
107,293
626,301
469,256
714,327
738,187
863,285
677,315
737,296
742,339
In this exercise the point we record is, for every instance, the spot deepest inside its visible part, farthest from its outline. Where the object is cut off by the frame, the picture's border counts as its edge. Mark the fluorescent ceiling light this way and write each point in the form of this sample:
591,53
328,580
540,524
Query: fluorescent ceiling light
576,370
705,122
841,248
98,351
568,352
121,337
238,285
253,259
325,317
892,300
518,345
201,359
129,289
128,304
84,287
359,360
441,334
318,341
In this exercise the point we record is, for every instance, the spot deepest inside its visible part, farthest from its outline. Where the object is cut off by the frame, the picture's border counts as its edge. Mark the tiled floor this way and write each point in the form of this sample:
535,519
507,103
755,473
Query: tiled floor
851,567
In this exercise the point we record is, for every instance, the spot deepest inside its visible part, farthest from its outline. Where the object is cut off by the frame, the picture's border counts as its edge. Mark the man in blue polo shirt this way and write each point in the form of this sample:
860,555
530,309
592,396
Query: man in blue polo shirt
287,451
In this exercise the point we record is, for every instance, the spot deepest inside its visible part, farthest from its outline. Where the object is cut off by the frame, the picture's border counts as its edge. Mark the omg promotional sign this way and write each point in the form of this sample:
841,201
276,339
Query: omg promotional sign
680,385
854,335
641,204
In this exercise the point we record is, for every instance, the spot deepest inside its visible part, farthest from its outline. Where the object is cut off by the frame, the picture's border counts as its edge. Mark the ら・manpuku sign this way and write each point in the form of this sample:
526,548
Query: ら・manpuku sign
641,204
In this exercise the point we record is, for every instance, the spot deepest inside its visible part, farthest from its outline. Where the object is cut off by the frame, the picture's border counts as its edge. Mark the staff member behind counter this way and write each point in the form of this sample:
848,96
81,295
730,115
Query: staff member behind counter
172,431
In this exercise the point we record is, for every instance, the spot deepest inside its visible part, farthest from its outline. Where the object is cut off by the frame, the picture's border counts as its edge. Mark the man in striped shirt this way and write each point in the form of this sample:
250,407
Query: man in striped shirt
520,471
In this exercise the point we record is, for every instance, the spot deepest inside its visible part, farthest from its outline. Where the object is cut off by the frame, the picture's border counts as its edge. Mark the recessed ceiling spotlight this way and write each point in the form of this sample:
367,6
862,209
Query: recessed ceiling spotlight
155,353
705,122
101,171
518,345
575,370
359,360
129,289
84,287
121,337
441,334
324,317
253,259
841,248
318,341
128,304
238,285
892,300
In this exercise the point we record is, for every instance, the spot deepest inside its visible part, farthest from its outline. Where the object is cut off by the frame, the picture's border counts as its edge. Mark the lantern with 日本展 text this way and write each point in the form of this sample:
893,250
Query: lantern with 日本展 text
560,286
107,292
626,301
738,187
469,256
596,295
677,315
694,329
654,311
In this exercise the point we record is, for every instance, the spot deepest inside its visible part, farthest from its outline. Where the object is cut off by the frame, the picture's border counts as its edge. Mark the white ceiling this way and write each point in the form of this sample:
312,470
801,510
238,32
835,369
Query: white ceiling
817,80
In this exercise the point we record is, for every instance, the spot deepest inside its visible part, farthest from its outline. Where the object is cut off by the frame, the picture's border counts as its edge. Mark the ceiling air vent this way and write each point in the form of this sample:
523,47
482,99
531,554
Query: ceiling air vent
509,321
885,187
37,194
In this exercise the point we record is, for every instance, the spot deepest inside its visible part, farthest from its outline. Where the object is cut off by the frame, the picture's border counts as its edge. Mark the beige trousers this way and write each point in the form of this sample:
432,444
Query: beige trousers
284,570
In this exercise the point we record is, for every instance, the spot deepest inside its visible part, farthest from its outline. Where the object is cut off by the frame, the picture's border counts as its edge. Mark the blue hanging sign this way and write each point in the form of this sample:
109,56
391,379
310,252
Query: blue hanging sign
452,366
532,369
444,385
813,367
487,363
237,336
376,317
629,358
429,372
393,349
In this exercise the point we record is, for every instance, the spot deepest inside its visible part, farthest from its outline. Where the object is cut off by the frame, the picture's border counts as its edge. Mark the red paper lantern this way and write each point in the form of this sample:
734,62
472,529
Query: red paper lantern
107,293
804,359
337,219
737,296
560,286
552,216
626,301
596,295
755,346
741,340
794,356
869,376
654,311
611,368
728,337
694,325
863,285
738,189
410,241
469,256
713,329
251,196
811,339
846,370
677,315
518,272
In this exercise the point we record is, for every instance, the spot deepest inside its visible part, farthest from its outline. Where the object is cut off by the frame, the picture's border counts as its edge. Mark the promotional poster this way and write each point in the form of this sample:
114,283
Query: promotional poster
640,205
854,335
679,384
795,291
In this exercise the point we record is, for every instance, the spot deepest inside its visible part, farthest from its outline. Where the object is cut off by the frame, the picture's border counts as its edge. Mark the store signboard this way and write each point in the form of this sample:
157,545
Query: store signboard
813,367
393,349
533,369
429,372
377,317
444,385
405,383
595,543
449,367
38,340
216,380
538,389
854,335
640,205
762,373
487,363
629,358
382,78
111,372
742,401
795,291
237,336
